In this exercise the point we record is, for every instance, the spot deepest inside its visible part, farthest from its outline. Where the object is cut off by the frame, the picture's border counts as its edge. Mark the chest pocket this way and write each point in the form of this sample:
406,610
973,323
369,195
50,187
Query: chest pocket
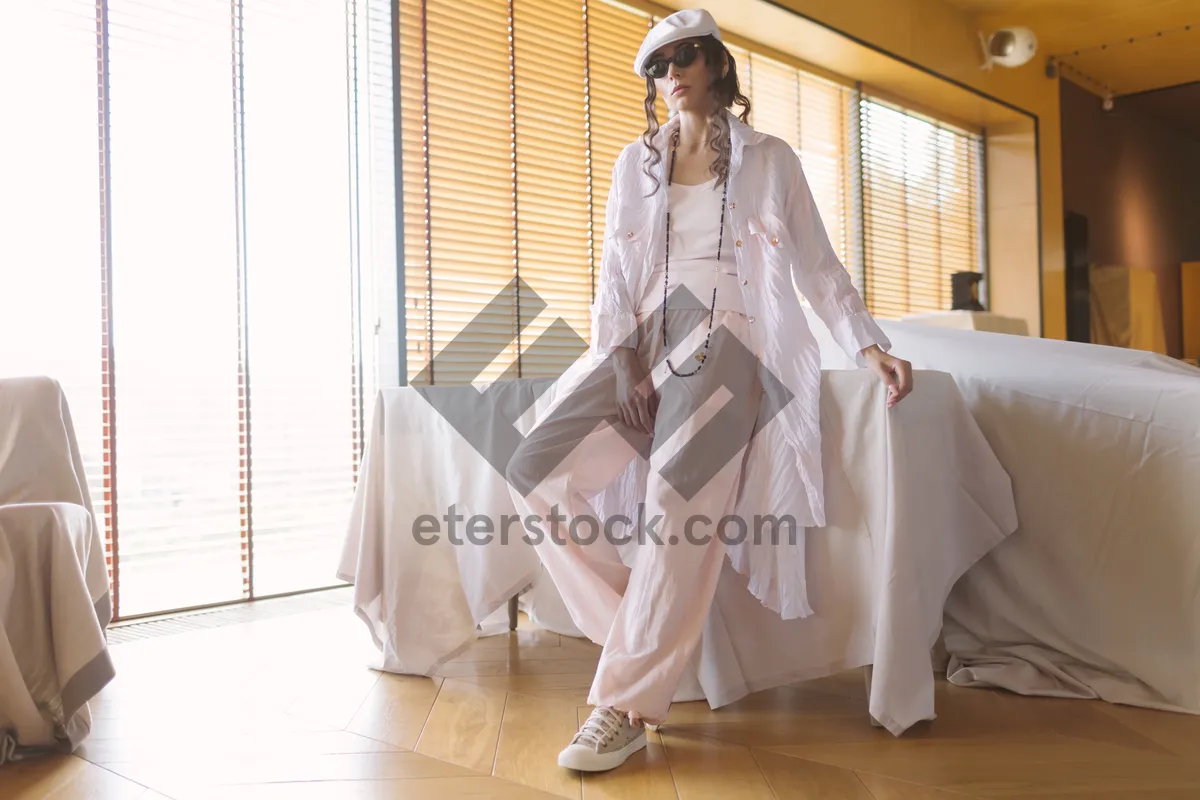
769,238
630,234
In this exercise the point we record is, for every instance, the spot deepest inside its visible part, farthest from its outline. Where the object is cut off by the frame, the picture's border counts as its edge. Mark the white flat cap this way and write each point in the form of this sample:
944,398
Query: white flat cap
681,25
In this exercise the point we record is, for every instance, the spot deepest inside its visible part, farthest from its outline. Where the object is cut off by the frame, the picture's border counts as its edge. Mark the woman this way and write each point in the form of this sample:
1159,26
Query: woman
709,225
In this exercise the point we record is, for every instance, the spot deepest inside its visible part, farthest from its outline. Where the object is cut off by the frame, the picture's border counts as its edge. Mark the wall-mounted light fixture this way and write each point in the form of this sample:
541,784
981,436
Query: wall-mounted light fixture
1008,47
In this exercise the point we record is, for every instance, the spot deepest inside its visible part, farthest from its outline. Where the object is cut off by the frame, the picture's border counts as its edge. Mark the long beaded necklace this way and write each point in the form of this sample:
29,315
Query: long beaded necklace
702,356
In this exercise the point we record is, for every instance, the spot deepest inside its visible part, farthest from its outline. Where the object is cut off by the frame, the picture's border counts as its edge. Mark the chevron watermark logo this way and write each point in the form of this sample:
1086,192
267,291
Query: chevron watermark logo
486,418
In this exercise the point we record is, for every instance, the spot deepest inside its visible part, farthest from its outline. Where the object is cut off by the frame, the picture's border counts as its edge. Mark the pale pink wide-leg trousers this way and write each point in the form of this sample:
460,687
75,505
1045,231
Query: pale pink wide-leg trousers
648,618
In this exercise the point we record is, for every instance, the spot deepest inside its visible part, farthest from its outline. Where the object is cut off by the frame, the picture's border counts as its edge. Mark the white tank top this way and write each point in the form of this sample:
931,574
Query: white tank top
695,230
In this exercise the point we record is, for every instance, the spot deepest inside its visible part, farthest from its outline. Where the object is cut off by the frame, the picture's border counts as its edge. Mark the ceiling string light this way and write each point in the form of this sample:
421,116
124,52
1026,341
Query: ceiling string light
1099,87
1055,63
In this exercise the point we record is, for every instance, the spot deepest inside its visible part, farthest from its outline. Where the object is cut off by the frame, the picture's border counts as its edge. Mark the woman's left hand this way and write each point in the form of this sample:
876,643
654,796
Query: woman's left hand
896,373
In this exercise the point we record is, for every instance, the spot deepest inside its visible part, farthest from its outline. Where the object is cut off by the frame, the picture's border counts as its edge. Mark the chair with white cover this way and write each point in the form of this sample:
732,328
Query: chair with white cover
55,601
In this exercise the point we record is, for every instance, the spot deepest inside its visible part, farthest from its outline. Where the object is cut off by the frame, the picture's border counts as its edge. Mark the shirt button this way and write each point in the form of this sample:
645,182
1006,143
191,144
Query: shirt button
629,235
774,241
744,281
752,320
739,242
733,205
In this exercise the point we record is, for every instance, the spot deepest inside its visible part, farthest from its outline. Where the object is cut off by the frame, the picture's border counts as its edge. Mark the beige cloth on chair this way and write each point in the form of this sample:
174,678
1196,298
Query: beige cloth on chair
54,593
53,654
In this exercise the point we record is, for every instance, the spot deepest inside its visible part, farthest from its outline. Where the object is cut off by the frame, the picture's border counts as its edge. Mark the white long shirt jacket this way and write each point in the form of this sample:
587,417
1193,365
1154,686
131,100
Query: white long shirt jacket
781,245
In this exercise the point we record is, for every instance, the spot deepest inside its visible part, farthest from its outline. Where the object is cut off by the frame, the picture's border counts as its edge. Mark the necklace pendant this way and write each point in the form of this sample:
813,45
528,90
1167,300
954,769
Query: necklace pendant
699,356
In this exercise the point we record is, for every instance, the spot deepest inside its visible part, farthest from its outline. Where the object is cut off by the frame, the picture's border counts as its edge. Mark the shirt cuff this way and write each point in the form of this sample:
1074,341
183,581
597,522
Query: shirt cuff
610,331
856,332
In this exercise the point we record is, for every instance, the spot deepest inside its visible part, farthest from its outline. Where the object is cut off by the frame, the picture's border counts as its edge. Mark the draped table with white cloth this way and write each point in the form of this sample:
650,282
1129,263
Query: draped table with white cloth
972,321
54,593
914,497
1095,595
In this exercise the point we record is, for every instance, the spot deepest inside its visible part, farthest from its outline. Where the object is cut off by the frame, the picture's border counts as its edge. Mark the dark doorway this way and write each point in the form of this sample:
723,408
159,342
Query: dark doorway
1078,294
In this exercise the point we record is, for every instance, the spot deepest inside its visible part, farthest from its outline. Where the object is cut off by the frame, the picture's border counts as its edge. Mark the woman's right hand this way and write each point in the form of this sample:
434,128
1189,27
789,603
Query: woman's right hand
637,402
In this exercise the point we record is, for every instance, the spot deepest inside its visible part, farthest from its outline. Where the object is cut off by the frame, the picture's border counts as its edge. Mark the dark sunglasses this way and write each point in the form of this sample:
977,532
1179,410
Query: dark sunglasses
684,57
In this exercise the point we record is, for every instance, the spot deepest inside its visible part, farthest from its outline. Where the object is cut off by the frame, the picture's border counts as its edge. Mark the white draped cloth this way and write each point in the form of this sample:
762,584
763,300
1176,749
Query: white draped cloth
1095,595
54,594
914,497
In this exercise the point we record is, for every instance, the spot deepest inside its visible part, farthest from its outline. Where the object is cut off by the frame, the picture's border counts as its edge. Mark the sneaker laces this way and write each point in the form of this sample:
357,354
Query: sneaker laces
602,724
8,747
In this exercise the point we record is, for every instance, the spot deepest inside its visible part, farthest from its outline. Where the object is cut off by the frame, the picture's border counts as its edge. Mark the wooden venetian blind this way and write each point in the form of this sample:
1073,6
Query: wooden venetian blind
553,198
470,178
811,114
616,96
921,208
513,114
414,131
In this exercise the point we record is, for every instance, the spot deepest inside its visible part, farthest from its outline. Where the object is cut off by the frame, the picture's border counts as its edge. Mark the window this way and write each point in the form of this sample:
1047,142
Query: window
175,314
51,287
193,231
302,341
922,209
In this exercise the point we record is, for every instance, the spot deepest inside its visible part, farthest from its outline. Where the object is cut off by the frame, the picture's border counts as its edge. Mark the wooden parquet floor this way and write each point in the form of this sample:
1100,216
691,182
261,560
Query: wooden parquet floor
283,706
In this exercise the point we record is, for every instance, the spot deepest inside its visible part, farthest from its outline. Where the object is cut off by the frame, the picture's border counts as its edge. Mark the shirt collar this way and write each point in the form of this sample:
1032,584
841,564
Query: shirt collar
740,136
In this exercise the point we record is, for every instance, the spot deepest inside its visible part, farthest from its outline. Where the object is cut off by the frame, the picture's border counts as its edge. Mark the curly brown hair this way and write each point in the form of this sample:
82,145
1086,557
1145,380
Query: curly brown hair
725,91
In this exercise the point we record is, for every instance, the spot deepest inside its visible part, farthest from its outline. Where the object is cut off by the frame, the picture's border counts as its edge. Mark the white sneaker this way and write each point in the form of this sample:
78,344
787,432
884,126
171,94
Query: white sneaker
604,742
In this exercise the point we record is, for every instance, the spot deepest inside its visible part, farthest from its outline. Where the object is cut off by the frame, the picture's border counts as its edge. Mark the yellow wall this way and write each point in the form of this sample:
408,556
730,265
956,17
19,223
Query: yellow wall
1012,221
1190,281
945,40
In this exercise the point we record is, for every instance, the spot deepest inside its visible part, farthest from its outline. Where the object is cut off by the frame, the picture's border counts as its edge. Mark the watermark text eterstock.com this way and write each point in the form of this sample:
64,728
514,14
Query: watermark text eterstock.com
584,529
